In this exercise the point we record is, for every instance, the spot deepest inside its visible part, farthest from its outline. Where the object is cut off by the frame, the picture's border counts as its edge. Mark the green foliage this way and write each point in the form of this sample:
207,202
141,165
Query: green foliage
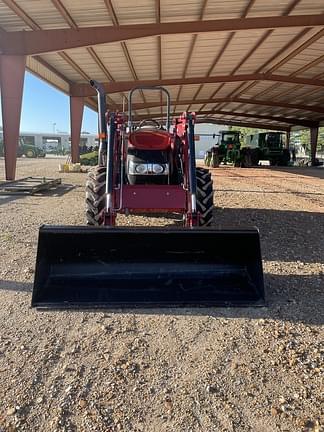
245,131
89,158
302,137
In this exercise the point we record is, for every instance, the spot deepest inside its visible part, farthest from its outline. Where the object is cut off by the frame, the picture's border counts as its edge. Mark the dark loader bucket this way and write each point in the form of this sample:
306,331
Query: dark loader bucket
87,267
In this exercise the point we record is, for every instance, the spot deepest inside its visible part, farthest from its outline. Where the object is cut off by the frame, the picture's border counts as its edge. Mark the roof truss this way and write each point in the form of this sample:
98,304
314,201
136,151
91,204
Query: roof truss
310,108
42,41
116,87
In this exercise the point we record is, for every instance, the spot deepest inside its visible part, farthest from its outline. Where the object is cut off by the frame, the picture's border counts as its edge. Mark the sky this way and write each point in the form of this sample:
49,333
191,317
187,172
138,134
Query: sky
44,109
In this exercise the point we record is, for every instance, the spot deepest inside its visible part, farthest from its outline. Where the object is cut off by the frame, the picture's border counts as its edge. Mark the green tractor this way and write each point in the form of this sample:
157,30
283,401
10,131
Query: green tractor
27,150
269,146
226,151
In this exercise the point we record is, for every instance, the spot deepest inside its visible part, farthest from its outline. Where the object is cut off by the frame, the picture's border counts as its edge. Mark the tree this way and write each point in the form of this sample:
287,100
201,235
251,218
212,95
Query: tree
245,131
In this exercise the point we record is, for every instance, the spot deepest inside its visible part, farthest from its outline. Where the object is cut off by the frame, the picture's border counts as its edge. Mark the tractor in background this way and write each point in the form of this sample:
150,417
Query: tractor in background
227,150
269,146
23,149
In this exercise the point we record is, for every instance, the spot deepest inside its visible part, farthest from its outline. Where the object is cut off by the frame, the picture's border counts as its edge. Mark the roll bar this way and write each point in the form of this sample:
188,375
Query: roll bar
164,90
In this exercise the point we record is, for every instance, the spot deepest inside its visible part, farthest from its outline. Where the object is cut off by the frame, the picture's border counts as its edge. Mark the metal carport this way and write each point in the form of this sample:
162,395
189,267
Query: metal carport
243,62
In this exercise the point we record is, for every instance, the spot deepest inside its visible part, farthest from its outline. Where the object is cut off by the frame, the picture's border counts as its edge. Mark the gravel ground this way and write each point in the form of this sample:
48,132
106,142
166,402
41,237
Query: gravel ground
173,369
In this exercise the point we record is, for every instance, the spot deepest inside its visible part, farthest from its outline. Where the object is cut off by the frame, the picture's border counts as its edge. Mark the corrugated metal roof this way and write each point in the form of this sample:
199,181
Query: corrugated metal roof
287,51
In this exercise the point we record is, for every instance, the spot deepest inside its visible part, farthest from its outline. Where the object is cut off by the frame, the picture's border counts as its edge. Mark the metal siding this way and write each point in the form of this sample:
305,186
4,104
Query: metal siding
269,8
174,52
9,21
144,57
46,74
309,7
62,66
225,9
112,56
87,14
43,12
206,49
172,11
134,12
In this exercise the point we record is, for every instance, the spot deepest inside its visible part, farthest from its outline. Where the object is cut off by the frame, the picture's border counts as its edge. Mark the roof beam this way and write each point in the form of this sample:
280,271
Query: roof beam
295,122
42,41
242,124
310,108
121,86
221,121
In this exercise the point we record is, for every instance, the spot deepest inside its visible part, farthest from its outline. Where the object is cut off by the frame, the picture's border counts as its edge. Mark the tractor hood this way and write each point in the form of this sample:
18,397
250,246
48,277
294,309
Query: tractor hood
150,139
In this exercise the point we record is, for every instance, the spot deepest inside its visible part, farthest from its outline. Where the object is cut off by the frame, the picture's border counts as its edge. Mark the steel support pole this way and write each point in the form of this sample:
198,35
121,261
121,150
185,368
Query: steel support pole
287,139
76,114
12,73
313,139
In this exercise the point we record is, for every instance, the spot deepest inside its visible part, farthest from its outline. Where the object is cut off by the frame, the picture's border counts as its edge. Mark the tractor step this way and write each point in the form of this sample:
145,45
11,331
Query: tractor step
88,267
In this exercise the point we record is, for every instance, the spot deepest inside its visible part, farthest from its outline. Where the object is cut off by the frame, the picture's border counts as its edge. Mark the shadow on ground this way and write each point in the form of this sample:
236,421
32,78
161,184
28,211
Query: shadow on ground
61,190
287,236
292,298
317,172
9,285
6,198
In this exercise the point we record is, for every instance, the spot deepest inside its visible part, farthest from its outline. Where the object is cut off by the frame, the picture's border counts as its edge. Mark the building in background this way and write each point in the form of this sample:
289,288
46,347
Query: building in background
206,136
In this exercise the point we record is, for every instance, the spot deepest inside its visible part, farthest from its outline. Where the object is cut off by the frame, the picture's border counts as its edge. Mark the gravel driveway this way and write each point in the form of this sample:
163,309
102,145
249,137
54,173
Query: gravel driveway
222,370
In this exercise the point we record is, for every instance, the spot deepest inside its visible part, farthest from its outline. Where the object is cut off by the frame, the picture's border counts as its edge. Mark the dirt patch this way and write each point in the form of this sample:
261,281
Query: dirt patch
170,370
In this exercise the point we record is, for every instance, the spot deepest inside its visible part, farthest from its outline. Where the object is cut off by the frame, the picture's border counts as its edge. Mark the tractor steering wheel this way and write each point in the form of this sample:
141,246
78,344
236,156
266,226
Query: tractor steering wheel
149,121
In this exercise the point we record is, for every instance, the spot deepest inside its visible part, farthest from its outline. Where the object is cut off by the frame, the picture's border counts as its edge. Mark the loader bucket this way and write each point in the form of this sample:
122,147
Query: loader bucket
89,267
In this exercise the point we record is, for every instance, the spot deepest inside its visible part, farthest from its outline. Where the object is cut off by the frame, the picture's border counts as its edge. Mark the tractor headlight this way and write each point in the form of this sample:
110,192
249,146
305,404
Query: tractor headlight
147,168
157,169
136,168
141,168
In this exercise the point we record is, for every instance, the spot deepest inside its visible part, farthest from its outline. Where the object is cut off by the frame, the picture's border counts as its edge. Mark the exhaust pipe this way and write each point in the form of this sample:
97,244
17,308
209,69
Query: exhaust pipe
102,123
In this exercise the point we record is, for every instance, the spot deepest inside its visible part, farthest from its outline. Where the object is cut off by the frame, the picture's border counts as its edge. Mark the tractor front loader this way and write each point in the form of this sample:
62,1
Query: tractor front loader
149,168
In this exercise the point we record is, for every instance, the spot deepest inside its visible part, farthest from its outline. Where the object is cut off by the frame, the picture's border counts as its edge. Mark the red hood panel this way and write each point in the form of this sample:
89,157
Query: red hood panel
150,140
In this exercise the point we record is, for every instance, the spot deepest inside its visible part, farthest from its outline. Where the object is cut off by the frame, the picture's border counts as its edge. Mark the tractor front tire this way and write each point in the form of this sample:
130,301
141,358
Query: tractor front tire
30,154
95,195
205,195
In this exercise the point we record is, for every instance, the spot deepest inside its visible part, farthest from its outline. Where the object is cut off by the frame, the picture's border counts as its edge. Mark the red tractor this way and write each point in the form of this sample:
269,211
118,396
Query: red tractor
150,168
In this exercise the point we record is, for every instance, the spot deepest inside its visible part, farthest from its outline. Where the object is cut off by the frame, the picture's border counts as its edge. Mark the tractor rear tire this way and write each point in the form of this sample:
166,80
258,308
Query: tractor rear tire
95,195
205,195
285,158
255,157
245,158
